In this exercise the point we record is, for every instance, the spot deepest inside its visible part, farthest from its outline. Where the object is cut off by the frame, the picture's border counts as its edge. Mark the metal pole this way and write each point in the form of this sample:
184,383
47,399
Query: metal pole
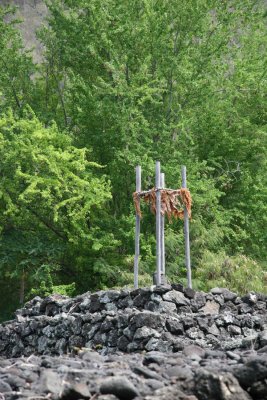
137,229
158,220
162,184
186,235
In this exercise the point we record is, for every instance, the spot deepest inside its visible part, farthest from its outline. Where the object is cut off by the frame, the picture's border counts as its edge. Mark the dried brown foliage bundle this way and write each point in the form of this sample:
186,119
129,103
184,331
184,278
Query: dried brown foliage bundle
172,202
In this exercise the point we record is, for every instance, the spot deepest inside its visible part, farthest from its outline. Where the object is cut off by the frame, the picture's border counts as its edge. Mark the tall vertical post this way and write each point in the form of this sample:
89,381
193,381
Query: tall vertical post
162,226
186,235
158,222
137,229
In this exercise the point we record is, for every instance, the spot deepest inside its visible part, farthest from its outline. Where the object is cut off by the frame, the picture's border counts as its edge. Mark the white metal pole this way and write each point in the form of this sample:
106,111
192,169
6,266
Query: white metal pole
162,184
158,222
186,235
137,229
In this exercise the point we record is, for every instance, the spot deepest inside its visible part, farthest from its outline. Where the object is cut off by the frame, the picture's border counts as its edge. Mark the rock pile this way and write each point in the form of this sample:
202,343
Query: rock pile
162,342
193,374
164,318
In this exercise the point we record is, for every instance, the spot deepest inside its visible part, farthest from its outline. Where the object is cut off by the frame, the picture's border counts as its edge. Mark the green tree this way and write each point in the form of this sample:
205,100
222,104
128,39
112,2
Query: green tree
16,66
175,81
51,199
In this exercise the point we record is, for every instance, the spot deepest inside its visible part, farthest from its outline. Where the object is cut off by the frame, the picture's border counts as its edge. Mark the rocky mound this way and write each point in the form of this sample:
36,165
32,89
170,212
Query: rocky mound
162,342
164,318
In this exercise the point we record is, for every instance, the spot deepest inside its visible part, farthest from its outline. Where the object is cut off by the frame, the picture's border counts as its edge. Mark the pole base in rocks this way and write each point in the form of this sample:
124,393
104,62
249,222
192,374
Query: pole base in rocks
163,279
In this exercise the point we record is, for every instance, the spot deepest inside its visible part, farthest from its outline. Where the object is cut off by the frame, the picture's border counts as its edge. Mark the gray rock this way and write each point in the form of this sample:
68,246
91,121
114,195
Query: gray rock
153,358
112,339
123,343
109,296
163,346
194,333
211,386
189,322
219,299
263,338
228,318
156,298
106,325
146,373
48,331
18,349
192,350
76,325
95,305
232,344
166,307
43,343
175,326
120,387
259,390
155,384
181,372
213,330
250,342
262,350
214,354
4,387
161,289
140,300
75,391
217,290
250,298
204,323
211,307
128,333
125,302
76,341
244,309
61,346
234,330
233,356
85,305
228,295
122,320
50,382
176,297
198,301
145,333
254,370
147,319
155,344
189,293
152,306
178,286
111,308
151,344
94,329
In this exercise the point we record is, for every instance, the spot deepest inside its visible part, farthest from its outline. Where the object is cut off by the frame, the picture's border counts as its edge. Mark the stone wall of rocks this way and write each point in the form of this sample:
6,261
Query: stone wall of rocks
165,318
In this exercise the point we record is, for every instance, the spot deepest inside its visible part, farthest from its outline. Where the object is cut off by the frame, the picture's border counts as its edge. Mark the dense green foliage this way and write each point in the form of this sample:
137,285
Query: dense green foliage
123,83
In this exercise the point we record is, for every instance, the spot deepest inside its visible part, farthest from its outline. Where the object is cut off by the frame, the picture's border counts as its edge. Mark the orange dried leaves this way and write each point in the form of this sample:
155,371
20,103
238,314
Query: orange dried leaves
136,200
186,199
172,202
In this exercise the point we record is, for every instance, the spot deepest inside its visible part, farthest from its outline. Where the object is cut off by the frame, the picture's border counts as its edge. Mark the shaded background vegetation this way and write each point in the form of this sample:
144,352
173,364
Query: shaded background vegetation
120,84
